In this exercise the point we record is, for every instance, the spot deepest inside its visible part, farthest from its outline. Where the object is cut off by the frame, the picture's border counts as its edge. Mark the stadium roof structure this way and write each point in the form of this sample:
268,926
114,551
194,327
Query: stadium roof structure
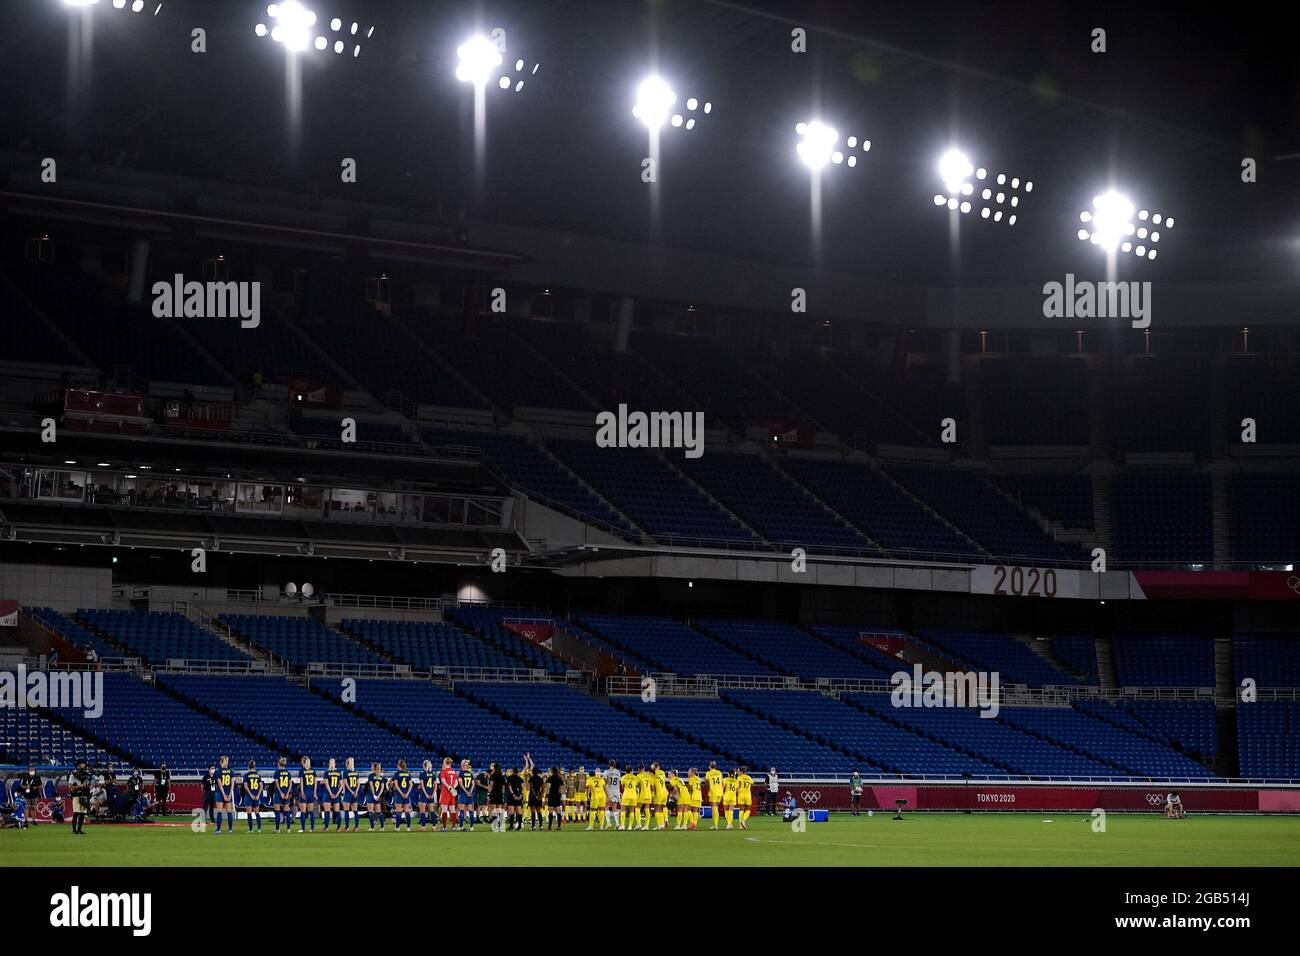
566,153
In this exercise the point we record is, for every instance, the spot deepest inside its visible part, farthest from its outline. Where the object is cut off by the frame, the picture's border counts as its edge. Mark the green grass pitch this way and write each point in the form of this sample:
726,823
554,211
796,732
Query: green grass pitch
920,840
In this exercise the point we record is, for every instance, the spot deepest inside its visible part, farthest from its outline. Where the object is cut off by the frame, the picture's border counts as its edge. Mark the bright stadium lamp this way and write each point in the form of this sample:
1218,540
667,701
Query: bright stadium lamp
954,169
292,23
476,58
1111,225
966,187
654,98
816,146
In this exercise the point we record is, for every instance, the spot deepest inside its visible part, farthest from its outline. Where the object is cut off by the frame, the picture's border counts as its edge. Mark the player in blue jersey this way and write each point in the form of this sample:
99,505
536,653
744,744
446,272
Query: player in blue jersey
282,795
253,789
351,794
428,795
375,794
225,793
332,805
465,787
403,788
308,796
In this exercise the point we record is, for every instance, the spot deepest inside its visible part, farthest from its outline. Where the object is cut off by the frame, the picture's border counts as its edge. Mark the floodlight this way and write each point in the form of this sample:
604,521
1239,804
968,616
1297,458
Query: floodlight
1111,224
293,24
817,143
654,98
954,168
956,171
477,57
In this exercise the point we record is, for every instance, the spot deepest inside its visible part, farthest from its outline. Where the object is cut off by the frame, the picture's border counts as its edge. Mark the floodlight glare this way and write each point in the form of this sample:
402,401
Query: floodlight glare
477,57
293,24
654,98
954,168
818,143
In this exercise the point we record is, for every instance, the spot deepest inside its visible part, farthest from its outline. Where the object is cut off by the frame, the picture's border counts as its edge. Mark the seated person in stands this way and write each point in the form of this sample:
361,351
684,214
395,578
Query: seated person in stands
789,809
1174,807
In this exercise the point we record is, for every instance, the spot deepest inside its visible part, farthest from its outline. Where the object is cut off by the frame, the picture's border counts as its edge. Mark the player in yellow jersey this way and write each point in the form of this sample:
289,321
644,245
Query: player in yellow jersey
678,783
729,790
693,784
661,797
744,796
645,788
595,801
713,776
631,798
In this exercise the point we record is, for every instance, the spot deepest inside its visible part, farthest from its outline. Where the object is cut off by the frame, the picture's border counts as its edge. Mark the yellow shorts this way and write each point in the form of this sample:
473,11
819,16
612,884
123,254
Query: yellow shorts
598,803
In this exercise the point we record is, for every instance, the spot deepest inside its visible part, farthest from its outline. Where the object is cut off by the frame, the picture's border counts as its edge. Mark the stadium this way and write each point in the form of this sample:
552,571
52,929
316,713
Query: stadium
626,418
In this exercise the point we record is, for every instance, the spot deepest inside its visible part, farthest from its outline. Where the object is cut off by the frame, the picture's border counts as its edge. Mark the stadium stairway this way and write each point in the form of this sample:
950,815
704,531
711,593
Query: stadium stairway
1043,648
720,505
972,435
178,329
1101,508
538,356
883,473
17,293
205,619
328,363
1221,505
1107,676
1228,762
591,489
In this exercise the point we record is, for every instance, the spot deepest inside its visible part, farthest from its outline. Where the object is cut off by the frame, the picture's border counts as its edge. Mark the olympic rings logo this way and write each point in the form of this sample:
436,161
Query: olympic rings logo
1155,799
810,796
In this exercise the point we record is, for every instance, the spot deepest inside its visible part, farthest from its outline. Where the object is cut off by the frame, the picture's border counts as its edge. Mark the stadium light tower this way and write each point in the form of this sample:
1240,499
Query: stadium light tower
1110,224
1000,193
817,146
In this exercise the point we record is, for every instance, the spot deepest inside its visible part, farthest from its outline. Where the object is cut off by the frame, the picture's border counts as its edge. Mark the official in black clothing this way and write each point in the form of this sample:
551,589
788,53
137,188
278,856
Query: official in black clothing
162,785
209,784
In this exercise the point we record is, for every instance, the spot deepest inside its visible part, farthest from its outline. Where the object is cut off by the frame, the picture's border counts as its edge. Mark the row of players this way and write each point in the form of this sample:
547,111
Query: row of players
456,799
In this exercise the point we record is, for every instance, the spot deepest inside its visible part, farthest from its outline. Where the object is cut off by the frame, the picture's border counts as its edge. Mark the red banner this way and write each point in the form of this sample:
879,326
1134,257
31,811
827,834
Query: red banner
8,613
539,632
1219,585
103,404
886,643
1043,799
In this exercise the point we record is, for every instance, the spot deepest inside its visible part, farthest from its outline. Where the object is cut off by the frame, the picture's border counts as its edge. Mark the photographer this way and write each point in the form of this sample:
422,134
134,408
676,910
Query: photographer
29,787
79,790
